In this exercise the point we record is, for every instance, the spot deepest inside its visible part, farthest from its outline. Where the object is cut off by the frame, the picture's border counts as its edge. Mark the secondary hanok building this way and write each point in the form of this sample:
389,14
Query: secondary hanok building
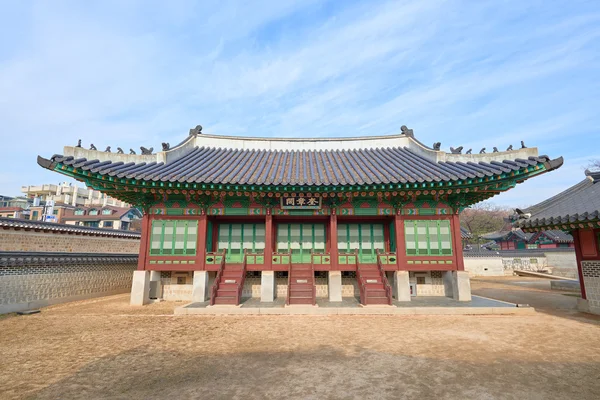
576,210
374,218
517,239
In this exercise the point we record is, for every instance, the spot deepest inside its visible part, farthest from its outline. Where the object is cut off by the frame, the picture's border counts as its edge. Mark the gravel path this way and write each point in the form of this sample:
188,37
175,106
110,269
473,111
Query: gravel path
103,348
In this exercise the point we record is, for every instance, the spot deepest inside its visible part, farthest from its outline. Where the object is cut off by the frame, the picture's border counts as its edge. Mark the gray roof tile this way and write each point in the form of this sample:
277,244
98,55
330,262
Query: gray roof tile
306,167
579,203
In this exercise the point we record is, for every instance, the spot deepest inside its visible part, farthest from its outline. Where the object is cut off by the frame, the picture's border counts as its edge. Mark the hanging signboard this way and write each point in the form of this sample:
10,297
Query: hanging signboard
301,203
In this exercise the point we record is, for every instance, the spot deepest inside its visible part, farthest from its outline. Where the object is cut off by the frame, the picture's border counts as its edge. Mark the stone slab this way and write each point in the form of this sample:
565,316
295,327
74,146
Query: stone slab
356,311
425,306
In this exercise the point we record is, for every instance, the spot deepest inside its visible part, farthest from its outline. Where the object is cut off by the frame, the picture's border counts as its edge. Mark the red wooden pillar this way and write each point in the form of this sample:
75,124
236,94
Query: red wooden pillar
144,241
579,259
268,241
457,242
201,244
400,241
333,236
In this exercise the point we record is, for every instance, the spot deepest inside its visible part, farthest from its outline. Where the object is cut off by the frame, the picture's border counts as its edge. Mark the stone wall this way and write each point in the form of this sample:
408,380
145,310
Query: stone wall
591,278
251,286
433,286
485,266
32,241
562,263
525,263
350,286
281,284
34,286
178,286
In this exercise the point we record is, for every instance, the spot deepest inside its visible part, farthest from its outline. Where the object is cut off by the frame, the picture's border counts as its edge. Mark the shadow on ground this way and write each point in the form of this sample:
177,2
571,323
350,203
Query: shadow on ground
530,291
325,373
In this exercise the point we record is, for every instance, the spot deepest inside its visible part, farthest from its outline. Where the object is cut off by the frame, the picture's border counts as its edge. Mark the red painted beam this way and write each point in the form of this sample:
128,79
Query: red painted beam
333,243
269,240
144,241
201,243
579,259
400,242
457,242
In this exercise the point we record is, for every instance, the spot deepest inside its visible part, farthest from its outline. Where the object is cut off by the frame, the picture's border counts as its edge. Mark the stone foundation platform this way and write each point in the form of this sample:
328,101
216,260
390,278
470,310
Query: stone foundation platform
350,306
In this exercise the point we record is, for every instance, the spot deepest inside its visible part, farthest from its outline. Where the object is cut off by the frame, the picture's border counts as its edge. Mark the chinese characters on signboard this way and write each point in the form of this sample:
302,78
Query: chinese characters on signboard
304,203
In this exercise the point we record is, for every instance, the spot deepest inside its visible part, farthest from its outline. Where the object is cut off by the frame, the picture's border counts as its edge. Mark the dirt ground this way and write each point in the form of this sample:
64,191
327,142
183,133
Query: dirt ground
104,348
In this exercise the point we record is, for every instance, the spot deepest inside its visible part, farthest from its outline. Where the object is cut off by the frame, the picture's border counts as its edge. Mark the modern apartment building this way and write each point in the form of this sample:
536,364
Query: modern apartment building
71,194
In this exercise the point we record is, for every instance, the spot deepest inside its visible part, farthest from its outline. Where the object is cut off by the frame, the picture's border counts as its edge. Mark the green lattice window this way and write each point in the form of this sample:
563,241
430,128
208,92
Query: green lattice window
364,238
301,240
173,238
235,238
428,237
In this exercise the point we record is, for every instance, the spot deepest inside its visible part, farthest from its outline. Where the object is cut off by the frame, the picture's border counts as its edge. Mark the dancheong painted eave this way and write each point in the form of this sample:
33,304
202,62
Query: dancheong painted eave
390,162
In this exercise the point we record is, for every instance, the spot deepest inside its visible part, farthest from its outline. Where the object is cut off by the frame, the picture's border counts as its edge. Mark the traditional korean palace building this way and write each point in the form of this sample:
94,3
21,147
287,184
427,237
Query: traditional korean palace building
517,239
370,217
576,210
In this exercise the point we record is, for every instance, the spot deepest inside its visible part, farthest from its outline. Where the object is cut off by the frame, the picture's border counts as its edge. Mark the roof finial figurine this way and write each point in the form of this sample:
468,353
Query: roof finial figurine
523,145
146,151
406,131
196,131
482,151
522,214
495,149
107,149
166,146
92,147
131,151
78,143
119,150
469,151
458,150
509,148
437,145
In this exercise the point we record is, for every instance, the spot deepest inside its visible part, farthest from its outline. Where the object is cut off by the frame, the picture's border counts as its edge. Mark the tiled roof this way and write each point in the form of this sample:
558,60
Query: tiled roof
504,235
118,213
312,167
9,258
17,223
558,236
464,233
579,203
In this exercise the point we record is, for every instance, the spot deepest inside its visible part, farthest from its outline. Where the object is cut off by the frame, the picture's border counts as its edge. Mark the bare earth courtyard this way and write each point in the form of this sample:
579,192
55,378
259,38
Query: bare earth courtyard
104,348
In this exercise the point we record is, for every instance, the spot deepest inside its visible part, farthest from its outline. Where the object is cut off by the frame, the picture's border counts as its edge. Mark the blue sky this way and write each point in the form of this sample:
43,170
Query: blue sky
131,73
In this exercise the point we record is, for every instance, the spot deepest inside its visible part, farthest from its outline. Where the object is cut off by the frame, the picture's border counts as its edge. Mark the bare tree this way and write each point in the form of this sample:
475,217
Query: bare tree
594,164
485,217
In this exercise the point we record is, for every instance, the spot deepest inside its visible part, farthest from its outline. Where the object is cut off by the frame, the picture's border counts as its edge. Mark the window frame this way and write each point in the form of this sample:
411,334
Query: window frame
170,251
428,224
